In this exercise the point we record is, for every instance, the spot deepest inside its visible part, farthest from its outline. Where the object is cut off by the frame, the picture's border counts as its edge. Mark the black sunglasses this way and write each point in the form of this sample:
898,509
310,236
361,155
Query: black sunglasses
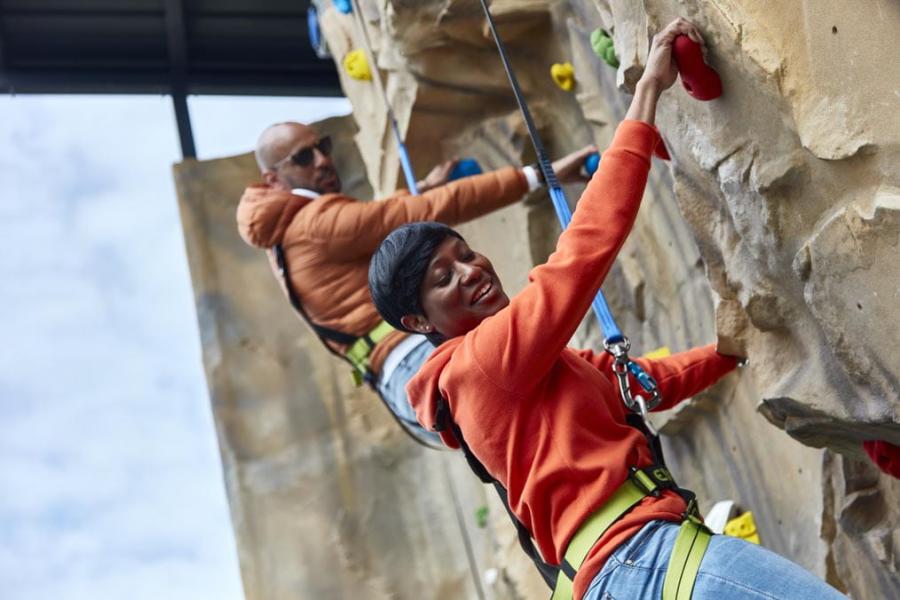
304,156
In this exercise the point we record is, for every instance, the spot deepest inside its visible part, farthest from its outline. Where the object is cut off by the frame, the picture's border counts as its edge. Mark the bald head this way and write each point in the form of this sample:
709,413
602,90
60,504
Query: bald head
278,143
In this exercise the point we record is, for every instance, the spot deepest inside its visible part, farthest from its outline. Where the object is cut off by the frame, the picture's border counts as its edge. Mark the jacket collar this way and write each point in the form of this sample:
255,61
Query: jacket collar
305,193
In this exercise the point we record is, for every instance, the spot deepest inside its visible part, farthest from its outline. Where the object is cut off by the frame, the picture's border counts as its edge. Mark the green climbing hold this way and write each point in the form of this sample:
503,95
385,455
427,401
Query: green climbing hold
603,47
481,516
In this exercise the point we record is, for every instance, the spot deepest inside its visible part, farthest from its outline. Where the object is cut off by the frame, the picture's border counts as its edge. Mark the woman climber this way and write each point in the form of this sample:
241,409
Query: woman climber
546,420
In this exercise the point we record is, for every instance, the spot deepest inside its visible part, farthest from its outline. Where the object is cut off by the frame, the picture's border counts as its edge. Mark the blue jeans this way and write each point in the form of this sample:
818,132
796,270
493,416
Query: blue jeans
732,569
394,391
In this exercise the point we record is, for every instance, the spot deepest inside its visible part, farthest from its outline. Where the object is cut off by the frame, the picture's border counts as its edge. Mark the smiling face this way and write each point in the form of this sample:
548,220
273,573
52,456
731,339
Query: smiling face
460,289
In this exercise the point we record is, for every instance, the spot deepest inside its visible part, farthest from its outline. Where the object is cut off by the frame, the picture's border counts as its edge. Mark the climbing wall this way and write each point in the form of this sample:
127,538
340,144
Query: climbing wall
774,228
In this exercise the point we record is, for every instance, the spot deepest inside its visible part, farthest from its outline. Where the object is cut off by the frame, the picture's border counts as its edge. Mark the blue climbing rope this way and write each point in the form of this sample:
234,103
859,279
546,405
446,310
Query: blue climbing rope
405,163
614,341
611,332
408,172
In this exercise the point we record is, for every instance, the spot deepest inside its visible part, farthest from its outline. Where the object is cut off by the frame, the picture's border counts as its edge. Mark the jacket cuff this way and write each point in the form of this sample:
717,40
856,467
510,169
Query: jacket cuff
531,174
637,137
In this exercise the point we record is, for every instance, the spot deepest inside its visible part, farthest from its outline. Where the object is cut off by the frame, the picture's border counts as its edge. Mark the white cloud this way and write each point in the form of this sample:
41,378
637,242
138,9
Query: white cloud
110,475
220,133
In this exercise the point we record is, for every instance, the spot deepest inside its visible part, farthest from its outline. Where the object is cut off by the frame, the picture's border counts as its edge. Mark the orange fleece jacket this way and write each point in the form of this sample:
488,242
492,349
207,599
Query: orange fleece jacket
329,241
546,420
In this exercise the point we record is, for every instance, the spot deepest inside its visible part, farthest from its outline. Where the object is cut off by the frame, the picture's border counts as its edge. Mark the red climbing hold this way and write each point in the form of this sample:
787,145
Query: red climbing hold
661,151
886,456
698,78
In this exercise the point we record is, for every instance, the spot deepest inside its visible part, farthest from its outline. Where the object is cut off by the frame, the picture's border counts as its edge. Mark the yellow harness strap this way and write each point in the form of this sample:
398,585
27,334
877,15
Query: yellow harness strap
358,353
690,545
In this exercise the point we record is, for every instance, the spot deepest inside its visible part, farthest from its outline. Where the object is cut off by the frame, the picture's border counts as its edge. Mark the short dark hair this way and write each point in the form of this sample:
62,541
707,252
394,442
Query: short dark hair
398,268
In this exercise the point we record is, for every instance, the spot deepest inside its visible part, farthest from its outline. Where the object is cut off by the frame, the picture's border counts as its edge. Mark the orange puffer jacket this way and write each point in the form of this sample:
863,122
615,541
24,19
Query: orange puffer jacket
328,242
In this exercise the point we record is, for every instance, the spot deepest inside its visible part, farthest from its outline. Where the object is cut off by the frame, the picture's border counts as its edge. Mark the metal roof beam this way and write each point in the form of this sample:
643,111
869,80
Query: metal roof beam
179,47
2,45
123,81
176,35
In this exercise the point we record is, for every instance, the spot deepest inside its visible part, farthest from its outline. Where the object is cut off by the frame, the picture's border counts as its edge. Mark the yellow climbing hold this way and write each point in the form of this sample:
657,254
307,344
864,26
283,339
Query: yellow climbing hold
661,352
743,527
563,75
357,66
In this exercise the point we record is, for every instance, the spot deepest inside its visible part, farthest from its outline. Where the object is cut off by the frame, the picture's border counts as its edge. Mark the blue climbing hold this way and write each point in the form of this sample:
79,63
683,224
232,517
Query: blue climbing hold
591,163
465,168
315,32
345,6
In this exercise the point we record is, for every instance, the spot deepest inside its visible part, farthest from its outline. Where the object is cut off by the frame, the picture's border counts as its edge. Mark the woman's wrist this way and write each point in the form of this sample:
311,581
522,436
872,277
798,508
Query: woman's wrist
643,105
649,86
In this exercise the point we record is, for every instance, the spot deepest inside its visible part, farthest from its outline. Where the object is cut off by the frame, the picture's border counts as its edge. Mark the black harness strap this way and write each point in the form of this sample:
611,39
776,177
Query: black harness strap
635,420
444,422
326,334
653,441
570,571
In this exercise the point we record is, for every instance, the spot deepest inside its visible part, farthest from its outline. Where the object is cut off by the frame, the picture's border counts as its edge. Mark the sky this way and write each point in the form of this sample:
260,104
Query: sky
110,480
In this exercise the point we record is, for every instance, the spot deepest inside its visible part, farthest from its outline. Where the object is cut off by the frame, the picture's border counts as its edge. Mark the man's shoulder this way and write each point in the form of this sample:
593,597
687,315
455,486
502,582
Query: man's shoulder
320,213
326,203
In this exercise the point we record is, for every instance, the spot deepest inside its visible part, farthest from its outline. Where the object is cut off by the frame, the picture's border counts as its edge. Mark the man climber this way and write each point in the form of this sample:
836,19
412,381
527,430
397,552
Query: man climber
328,238
545,420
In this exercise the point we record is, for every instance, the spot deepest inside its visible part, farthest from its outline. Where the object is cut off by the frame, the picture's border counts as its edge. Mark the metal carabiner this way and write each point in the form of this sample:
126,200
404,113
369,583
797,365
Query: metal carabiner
647,382
619,351
624,388
619,348
621,368
645,414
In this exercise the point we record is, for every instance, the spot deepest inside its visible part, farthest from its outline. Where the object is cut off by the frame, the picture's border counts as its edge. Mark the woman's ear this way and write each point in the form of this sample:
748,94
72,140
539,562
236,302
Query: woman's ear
417,323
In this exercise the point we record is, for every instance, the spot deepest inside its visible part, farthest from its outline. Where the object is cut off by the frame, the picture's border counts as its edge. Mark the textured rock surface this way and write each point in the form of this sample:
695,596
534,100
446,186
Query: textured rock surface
774,228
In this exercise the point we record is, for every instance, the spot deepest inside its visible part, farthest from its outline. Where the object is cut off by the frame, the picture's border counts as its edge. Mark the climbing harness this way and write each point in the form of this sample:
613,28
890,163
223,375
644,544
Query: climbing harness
358,353
405,163
690,543
693,538
359,348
